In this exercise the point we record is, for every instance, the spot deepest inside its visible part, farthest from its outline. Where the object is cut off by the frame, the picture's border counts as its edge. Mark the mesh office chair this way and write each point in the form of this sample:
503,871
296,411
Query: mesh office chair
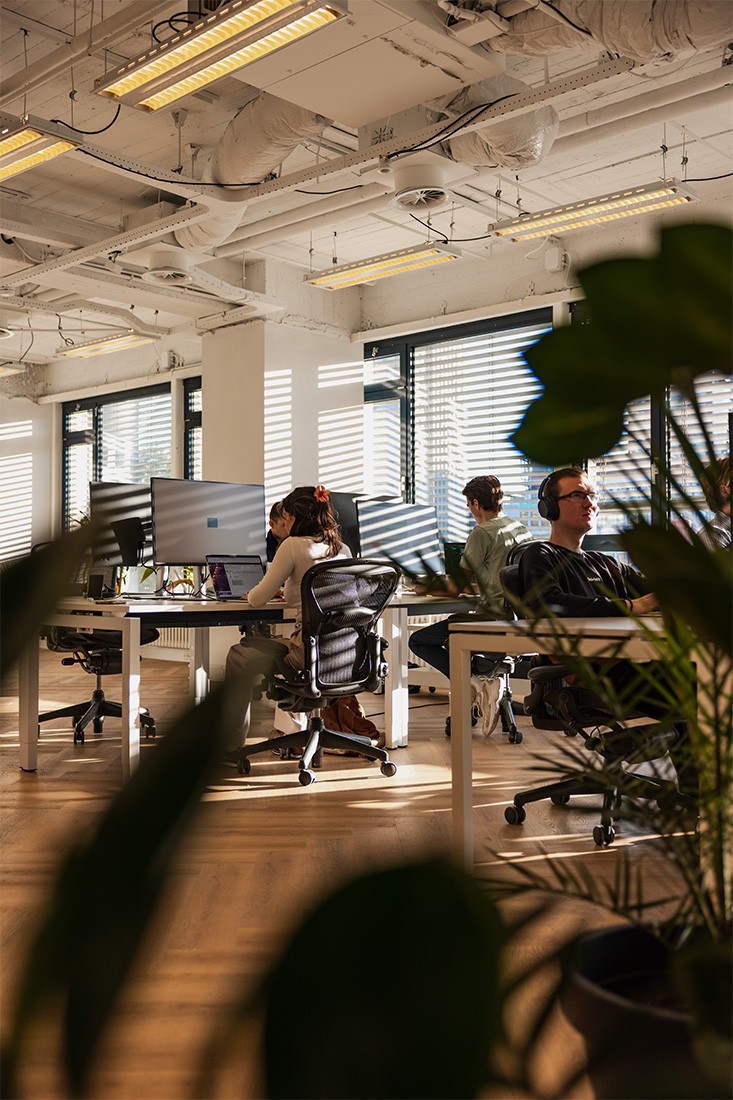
554,704
99,653
342,600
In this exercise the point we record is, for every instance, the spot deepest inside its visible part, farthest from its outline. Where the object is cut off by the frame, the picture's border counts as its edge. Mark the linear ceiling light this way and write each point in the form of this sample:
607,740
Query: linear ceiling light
236,35
7,369
379,267
26,142
104,345
605,208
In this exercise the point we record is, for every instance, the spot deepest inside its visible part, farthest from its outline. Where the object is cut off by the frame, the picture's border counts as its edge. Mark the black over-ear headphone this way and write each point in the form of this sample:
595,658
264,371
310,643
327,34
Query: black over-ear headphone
547,506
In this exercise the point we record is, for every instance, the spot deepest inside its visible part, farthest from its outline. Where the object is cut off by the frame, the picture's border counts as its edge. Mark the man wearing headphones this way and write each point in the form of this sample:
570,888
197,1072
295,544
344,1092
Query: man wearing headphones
559,575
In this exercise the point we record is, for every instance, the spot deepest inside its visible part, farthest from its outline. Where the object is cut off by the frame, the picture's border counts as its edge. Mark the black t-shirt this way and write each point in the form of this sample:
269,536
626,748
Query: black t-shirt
576,584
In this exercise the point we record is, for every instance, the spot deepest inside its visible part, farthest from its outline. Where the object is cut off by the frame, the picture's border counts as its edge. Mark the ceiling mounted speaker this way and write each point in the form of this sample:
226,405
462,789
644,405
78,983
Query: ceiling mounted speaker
419,184
169,267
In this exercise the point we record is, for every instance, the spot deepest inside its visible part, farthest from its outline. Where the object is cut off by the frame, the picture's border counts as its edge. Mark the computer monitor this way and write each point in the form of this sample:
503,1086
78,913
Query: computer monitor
405,533
193,519
344,508
122,511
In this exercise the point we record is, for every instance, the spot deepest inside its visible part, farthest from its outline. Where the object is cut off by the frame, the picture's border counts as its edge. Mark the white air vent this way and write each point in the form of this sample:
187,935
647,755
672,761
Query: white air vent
168,267
420,183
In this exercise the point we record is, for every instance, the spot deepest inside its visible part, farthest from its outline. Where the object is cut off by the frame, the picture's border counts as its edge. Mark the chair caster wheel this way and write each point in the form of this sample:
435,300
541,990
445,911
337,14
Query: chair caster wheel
388,768
515,815
431,689
515,737
244,765
447,726
559,799
97,726
150,731
306,777
603,835
78,736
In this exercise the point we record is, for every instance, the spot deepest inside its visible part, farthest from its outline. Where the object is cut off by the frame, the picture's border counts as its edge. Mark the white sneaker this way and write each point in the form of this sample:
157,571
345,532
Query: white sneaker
489,703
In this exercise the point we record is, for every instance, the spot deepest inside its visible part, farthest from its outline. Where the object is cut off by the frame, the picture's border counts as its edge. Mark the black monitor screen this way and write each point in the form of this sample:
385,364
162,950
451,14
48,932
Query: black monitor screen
405,533
122,512
194,518
344,508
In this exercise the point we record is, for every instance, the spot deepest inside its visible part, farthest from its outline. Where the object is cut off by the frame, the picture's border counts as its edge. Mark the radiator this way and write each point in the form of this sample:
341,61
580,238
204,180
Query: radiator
172,645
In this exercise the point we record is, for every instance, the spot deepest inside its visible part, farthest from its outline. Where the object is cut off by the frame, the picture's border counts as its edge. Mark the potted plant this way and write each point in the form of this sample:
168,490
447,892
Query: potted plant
655,325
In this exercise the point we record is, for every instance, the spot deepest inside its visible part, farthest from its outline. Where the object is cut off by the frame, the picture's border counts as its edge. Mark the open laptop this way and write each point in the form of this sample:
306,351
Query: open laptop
232,575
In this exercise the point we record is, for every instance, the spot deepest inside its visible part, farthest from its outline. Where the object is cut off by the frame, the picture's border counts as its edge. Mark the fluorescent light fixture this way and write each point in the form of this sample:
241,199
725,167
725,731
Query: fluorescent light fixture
105,345
11,368
379,267
236,35
605,208
26,142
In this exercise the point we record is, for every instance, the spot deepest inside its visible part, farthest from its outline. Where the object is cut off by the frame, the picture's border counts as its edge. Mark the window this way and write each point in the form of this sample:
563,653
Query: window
117,437
461,393
192,438
715,403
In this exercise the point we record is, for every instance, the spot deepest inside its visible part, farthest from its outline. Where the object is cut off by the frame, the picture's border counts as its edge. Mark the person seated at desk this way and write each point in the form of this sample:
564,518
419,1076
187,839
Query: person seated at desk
311,534
561,578
716,534
484,555
278,529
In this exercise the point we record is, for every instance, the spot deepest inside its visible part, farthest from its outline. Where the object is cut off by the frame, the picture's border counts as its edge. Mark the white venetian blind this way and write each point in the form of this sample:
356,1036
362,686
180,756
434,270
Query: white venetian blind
625,472
715,400
135,438
470,394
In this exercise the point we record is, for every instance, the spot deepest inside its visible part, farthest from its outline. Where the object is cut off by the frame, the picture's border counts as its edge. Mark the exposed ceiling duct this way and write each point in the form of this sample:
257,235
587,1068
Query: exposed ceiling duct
515,143
254,144
645,30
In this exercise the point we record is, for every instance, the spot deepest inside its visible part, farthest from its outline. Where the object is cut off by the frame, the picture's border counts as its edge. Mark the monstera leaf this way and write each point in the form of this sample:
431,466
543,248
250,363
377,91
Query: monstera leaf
653,321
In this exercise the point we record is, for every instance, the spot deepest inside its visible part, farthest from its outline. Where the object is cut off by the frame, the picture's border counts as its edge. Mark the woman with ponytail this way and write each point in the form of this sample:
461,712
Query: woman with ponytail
313,535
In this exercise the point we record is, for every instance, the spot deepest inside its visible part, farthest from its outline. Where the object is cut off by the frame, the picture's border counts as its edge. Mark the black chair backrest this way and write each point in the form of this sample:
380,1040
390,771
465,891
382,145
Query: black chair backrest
342,600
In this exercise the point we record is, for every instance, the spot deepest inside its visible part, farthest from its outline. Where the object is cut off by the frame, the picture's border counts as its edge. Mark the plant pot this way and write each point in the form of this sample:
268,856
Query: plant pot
620,997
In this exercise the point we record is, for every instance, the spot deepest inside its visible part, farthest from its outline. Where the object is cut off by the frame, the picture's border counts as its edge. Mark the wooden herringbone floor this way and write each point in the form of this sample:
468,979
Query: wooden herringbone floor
262,851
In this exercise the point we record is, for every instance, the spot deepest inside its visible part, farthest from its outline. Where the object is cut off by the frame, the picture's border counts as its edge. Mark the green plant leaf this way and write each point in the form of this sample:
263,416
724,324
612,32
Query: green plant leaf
420,942
690,580
653,321
31,587
106,892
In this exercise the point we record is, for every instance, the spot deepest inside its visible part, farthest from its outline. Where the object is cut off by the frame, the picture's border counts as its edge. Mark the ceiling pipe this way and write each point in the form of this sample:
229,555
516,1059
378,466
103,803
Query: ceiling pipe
672,94
104,35
291,217
260,240
640,121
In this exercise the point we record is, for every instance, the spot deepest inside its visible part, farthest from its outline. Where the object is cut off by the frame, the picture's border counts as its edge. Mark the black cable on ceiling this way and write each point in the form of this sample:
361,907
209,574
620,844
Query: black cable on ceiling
89,133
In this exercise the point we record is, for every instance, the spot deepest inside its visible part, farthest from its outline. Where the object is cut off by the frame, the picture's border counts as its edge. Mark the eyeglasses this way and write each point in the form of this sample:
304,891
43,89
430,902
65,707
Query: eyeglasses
579,495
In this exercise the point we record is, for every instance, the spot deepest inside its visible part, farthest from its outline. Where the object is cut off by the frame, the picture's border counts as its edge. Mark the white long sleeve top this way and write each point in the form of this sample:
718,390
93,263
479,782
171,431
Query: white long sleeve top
293,558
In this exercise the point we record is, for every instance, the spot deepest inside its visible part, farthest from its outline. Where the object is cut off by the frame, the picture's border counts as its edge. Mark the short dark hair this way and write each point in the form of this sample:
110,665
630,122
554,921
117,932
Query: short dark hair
486,490
551,482
715,475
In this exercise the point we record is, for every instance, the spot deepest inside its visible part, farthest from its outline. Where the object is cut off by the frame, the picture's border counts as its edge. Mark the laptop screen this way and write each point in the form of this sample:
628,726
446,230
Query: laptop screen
234,574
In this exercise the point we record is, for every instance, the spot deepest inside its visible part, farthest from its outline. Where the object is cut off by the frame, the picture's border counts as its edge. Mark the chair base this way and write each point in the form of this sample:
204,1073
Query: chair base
313,741
560,792
95,710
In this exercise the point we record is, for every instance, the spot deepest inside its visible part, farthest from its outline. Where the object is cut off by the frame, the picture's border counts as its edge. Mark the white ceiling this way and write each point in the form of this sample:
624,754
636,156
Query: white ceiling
367,72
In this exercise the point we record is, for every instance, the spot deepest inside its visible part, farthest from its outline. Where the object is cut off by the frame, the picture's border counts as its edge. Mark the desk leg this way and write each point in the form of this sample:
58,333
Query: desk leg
28,705
130,696
199,666
396,699
461,751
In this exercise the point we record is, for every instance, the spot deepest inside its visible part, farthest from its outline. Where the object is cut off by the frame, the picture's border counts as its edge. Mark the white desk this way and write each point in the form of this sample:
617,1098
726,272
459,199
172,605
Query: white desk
590,637
199,615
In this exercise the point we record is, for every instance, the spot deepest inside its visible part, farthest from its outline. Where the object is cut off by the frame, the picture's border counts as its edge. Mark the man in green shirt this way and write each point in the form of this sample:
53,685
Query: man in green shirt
484,555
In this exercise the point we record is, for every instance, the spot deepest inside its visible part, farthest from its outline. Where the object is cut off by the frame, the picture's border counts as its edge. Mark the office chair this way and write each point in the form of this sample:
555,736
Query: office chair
342,600
576,710
99,653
